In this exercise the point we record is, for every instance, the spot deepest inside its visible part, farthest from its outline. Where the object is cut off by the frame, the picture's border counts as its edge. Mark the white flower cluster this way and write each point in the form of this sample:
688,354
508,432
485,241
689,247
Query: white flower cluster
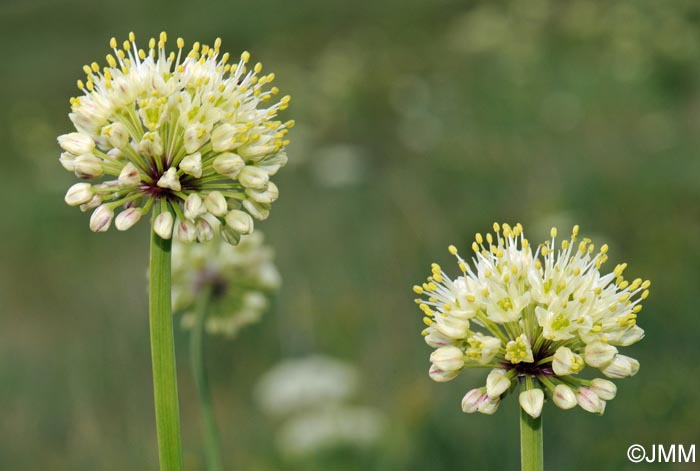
187,131
312,395
239,278
539,317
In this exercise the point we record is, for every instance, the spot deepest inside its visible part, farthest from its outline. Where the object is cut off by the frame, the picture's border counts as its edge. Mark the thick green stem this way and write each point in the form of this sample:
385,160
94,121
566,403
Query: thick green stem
531,451
163,356
211,434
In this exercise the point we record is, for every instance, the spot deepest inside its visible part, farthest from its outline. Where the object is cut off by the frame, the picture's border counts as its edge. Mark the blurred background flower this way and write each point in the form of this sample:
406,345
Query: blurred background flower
458,113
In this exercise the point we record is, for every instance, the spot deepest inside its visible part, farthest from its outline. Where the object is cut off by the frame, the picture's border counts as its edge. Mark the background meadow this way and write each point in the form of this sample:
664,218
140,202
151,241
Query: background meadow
419,123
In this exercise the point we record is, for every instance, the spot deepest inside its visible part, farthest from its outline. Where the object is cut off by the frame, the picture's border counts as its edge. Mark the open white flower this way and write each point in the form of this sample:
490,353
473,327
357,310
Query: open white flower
240,280
162,127
538,316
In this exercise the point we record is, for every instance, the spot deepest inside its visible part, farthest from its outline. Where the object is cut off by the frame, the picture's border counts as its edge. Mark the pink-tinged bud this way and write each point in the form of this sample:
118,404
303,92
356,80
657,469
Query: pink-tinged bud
129,176
497,383
92,204
186,231
163,225
564,397
441,376
78,194
566,362
471,400
259,211
254,177
589,401
205,233
196,136
101,218
435,339
453,327
116,135
488,405
87,166
127,218
216,203
621,367
151,145
67,160
228,164
170,180
532,401
194,207
239,221
76,143
599,354
192,165
255,153
449,358
268,195
604,389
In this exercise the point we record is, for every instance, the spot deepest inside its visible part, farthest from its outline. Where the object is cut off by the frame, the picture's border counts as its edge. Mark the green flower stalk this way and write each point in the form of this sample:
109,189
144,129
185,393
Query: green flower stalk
220,289
537,319
188,138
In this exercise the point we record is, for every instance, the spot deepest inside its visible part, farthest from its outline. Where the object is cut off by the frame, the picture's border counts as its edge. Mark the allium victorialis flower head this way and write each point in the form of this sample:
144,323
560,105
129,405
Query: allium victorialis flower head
187,131
240,281
537,316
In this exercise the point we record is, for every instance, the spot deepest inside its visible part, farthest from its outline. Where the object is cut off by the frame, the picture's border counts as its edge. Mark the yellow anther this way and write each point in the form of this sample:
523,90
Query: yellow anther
217,43
126,45
471,298
604,249
645,294
489,238
245,56
180,43
636,309
496,227
142,54
574,231
646,284
81,85
427,321
152,43
462,266
417,289
525,243
553,232
597,328
132,36
564,244
163,36
113,43
475,247
479,239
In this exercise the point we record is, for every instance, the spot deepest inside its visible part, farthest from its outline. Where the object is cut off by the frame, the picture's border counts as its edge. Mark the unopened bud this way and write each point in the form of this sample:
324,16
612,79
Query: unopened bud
151,145
497,383
448,358
76,143
589,401
532,401
194,207
67,161
216,203
255,153
129,176
240,221
621,367
192,165
604,389
78,194
127,218
170,180
101,218
196,136
229,235
566,362
223,137
87,166
116,135
205,232
564,397
268,195
163,225
599,354
186,231
488,405
471,400
259,211
254,177
228,164
441,376
94,202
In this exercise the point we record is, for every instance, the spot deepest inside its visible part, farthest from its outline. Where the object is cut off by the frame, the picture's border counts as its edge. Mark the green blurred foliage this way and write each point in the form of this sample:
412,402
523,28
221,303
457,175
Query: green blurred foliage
419,124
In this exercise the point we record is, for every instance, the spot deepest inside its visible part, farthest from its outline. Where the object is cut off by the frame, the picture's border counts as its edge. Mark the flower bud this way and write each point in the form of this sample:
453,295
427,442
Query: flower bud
564,397
205,233
127,218
129,176
435,339
170,180
272,164
532,401
566,362
87,166
604,389
449,358
488,405
76,143
163,225
78,194
216,203
630,336
239,221
253,177
268,196
451,326
186,231
101,218
589,401
621,367
192,165
116,135
254,153
441,376
599,354
194,207
497,383
94,202
196,136
259,211
151,145
223,137
229,235
471,400
228,164
67,160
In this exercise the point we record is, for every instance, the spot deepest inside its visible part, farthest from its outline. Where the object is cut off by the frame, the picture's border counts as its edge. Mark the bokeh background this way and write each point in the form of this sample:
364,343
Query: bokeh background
419,123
